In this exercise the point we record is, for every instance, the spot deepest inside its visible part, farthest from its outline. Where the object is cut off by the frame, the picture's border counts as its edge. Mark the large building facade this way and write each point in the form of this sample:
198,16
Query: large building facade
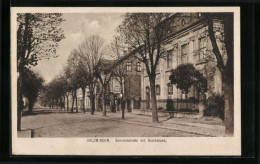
189,43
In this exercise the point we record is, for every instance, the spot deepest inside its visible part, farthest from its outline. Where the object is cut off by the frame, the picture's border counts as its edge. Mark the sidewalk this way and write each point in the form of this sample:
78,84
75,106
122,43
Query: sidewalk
205,127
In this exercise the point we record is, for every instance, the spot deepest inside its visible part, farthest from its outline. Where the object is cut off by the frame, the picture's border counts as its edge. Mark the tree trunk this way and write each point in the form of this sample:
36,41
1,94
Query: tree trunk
92,97
120,104
227,71
83,99
61,102
20,103
67,96
30,106
52,102
97,97
57,103
153,100
229,107
76,98
72,105
21,71
123,109
121,100
103,102
187,101
132,104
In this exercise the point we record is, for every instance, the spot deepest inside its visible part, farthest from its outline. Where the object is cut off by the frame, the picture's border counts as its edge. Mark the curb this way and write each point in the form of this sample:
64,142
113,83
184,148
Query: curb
156,126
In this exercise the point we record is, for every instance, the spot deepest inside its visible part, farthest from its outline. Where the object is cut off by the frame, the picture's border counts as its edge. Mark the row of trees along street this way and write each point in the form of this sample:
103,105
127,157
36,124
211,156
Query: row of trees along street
37,38
83,70
141,33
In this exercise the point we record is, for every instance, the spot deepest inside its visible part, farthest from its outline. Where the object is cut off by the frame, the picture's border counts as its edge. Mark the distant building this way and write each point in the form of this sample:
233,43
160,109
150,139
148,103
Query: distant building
131,69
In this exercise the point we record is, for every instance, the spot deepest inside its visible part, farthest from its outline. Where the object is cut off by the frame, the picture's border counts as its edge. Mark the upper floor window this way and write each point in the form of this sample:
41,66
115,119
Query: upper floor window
158,90
170,89
184,53
169,58
202,48
138,67
129,66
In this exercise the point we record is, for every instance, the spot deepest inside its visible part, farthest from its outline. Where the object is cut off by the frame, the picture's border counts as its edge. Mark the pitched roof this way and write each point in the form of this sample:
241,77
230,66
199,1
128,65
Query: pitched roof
133,52
107,64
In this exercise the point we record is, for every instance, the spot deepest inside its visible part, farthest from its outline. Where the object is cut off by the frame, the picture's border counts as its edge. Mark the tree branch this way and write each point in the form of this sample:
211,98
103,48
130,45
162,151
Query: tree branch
216,51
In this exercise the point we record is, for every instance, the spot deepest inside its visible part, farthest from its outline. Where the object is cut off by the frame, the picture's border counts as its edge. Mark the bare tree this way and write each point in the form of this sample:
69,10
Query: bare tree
145,33
119,72
71,75
104,78
91,52
81,75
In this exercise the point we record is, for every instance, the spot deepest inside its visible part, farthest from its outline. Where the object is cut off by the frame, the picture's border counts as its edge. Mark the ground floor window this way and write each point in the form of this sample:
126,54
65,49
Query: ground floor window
158,90
184,96
170,89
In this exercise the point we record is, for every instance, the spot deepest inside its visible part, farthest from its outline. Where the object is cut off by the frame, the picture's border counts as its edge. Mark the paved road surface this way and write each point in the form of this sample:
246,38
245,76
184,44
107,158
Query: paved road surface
56,123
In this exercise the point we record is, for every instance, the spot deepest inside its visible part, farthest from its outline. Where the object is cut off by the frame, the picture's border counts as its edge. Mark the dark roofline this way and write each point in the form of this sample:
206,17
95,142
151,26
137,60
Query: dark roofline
133,52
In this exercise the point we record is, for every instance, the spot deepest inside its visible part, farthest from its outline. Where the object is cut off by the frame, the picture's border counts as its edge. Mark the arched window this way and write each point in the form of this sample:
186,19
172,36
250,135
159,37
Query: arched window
170,89
158,89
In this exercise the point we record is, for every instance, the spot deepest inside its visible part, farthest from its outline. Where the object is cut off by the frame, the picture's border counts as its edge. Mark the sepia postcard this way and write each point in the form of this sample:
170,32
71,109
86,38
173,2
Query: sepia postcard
126,81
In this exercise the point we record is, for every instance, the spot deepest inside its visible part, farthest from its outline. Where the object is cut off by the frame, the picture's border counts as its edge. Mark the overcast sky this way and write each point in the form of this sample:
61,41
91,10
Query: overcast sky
76,28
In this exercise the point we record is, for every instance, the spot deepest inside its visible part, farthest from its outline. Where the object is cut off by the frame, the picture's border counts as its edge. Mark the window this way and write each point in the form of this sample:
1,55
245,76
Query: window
138,67
202,48
129,66
170,89
184,52
158,90
169,58
147,89
183,22
184,95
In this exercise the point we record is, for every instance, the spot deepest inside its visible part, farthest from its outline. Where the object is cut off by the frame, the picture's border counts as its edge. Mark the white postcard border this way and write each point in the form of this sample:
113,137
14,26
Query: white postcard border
173,146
